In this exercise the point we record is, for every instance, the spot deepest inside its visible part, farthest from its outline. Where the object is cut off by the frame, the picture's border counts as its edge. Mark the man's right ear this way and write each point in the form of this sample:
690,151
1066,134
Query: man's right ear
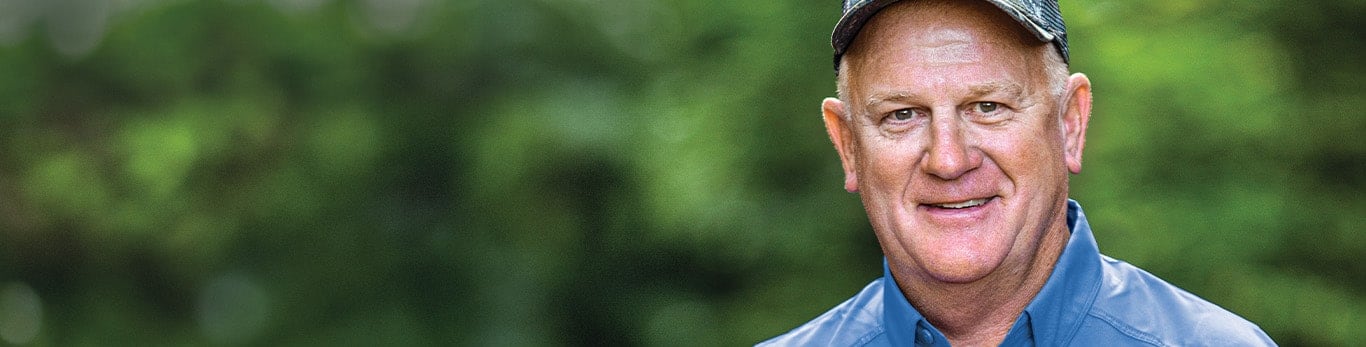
837,125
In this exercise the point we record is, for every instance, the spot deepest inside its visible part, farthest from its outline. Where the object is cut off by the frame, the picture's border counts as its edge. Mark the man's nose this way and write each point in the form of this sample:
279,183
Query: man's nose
949,155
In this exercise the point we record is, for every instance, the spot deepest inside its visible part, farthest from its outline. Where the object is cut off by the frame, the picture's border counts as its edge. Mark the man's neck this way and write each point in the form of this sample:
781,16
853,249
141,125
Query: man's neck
981,313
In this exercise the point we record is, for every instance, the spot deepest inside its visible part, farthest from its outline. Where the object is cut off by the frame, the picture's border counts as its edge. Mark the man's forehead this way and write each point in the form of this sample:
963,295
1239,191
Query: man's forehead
939,33
942,23
946,47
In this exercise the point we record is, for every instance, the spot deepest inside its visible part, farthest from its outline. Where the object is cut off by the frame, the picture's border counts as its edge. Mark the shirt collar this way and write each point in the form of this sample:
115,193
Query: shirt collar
1052,318
1057,311
904,324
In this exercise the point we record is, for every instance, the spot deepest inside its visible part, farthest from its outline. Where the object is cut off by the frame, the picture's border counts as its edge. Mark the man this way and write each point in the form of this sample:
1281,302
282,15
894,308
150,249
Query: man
958,125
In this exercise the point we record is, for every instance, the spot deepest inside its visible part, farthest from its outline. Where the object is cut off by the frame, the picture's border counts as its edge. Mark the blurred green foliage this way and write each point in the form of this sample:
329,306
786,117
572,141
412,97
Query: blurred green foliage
583,172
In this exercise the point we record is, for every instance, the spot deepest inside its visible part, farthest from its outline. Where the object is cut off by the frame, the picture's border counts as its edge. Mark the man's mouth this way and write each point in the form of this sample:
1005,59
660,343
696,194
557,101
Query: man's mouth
962,204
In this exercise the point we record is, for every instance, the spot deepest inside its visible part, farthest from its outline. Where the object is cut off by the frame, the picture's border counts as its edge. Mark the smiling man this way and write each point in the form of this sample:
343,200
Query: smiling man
957,124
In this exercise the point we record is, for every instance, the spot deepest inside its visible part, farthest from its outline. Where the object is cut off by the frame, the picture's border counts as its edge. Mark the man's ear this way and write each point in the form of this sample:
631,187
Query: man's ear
1076,114
837,125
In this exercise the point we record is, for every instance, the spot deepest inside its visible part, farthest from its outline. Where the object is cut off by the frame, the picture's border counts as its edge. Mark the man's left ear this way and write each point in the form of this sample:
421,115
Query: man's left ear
1076,114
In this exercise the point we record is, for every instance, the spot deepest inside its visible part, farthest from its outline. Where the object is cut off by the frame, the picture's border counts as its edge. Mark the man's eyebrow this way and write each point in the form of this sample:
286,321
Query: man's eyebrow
1007,89
878,98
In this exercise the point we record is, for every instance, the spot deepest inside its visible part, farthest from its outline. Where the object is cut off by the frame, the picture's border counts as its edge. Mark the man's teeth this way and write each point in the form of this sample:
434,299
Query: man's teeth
965,204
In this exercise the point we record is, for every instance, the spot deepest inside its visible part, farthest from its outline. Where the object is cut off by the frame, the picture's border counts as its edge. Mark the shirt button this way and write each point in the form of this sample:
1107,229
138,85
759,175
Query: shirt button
923,337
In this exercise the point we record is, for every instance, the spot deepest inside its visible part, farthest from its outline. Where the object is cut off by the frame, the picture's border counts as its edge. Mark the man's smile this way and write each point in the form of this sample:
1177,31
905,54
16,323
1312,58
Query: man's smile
961,204
973,209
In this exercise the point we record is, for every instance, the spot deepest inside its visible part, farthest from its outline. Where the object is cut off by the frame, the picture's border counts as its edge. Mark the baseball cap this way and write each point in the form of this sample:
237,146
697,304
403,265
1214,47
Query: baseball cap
1040,17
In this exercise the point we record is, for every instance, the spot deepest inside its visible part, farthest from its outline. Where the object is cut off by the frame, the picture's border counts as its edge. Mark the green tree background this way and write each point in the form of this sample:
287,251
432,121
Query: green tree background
588,172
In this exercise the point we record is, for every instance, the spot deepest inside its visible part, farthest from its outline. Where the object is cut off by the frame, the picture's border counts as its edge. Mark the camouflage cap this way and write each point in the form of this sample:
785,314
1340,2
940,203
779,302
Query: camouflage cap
1040,17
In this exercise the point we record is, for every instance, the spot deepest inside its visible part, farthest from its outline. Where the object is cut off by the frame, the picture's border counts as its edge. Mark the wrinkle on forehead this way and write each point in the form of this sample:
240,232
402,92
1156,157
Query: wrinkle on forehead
1000,89
946,47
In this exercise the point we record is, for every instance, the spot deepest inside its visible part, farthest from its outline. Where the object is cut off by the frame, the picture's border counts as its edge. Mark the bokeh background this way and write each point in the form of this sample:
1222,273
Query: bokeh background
594,172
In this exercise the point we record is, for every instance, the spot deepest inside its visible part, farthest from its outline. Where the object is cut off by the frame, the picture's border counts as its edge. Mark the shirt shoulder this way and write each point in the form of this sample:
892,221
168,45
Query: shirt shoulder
1139,308
855,322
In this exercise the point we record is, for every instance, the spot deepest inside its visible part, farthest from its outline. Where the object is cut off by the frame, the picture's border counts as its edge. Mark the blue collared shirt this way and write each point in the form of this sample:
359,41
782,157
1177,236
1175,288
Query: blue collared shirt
1089,300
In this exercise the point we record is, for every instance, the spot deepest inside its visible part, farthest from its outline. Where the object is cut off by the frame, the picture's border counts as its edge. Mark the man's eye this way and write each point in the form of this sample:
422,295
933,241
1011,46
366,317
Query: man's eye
987,107
903,114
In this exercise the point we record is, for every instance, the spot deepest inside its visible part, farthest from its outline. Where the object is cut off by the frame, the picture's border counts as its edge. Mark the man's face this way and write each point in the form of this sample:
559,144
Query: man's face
955,138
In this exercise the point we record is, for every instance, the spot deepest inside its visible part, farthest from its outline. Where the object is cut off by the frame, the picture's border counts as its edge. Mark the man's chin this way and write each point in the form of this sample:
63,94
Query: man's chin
959,275
960,268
